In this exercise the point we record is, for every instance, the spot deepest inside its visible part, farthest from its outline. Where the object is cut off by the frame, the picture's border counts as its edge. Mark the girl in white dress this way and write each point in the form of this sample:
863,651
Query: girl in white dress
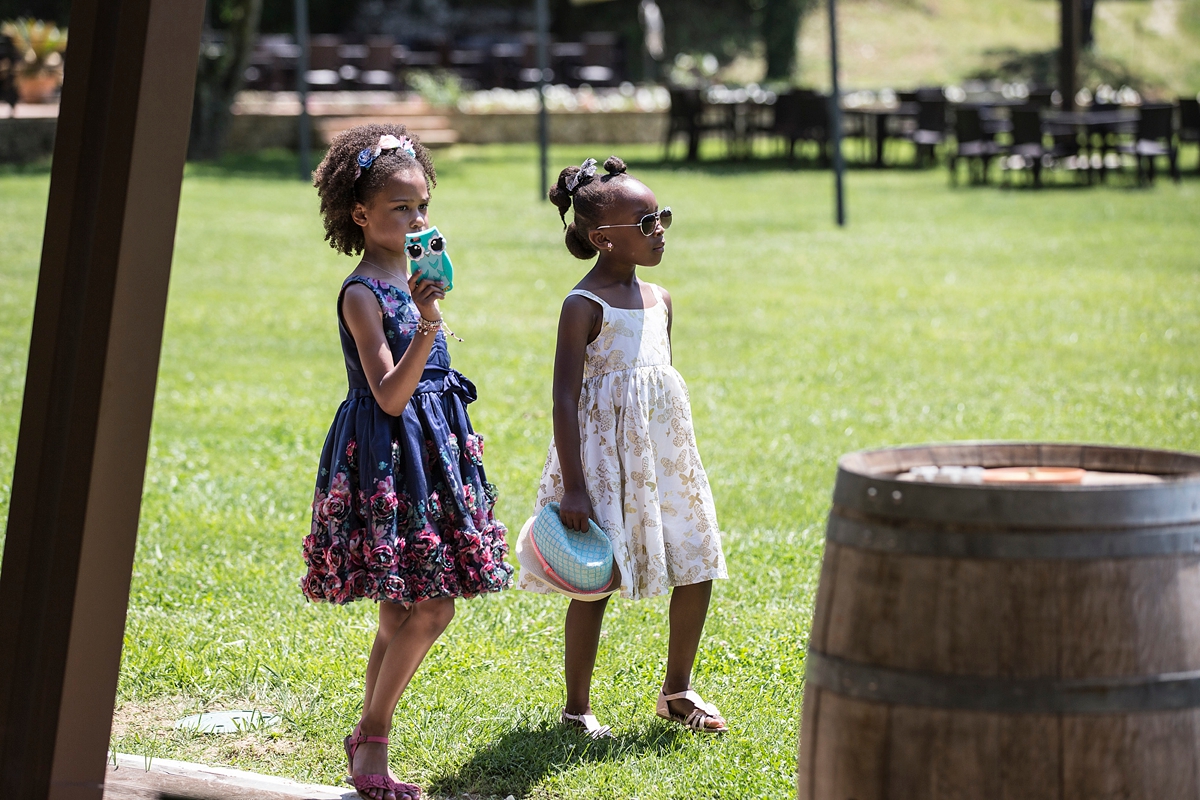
624,453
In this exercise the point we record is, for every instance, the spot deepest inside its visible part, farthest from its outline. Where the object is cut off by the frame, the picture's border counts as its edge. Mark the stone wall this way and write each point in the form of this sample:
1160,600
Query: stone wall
28,139
252,132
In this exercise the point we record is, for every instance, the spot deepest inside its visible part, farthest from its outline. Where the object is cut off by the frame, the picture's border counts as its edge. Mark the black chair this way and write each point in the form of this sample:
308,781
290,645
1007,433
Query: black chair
1189,123
1155,137
379,64
687,116
324,62
506,61
803,116
931,126
972,143
1029,142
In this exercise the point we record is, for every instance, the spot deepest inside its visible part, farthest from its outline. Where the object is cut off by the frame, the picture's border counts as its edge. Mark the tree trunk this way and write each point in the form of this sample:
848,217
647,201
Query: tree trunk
780,27
220,74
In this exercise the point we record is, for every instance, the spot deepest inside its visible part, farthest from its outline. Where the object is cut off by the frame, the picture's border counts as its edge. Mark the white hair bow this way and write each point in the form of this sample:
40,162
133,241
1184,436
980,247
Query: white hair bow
586,170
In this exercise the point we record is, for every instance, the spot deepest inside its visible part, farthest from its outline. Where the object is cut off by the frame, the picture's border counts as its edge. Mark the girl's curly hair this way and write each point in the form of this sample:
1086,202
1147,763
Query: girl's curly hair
591,196
339,190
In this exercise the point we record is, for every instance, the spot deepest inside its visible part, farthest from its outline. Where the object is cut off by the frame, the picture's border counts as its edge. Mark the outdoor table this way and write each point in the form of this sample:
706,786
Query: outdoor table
740,118
878,114
1093,124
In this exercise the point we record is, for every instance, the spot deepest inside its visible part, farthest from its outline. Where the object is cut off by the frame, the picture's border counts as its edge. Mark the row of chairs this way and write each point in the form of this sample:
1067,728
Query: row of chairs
1033,143
975,134
379,62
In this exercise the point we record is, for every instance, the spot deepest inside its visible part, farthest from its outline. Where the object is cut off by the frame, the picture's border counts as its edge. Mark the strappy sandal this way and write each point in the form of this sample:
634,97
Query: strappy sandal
588,724
697,719
382,783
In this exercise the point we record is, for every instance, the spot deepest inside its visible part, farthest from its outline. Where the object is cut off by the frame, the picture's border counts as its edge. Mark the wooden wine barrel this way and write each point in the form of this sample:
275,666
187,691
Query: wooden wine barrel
996,642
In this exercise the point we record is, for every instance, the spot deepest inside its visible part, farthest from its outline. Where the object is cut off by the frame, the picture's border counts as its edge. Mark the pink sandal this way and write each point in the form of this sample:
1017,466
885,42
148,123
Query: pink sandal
383,783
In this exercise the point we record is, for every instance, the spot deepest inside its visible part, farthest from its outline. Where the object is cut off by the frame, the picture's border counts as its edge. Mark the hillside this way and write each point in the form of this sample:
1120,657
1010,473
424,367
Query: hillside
1152,44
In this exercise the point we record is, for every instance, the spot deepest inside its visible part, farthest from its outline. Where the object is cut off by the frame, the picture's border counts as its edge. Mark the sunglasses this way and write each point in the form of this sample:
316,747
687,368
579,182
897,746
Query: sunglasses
436,245
647,223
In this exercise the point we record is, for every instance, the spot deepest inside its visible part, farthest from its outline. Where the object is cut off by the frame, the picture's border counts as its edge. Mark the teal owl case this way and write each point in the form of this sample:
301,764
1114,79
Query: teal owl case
427,254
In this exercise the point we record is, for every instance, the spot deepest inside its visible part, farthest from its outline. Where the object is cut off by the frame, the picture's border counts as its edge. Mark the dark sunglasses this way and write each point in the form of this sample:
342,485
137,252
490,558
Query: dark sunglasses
436,245
648,223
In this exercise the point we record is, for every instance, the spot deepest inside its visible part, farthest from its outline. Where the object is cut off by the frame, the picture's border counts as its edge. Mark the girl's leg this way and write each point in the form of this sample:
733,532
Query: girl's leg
392,617
417,628
689,607
582,640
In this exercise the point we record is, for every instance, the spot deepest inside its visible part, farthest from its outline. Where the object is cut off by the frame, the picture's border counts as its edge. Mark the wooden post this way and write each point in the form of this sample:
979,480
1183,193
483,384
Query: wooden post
1068,53
89,390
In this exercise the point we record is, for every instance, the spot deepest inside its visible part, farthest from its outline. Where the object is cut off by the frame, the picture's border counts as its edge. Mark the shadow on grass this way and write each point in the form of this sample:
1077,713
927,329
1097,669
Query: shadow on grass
1041,67
759,164
519,760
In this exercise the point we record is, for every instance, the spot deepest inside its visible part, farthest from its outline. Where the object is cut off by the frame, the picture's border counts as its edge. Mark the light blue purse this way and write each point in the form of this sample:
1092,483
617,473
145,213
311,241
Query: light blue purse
582,562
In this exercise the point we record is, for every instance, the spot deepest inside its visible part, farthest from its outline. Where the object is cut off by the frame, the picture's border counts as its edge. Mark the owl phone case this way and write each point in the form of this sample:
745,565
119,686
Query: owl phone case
427,255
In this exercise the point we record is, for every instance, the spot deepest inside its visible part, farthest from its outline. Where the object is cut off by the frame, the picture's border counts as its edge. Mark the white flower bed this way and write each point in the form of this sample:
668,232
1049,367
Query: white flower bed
585,99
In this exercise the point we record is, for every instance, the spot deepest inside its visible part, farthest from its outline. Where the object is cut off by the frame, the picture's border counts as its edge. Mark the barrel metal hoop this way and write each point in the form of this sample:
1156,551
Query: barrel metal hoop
1050,545
1166,692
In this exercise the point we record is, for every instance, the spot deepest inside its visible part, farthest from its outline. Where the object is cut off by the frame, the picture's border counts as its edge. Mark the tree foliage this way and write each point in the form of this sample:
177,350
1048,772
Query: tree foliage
219,72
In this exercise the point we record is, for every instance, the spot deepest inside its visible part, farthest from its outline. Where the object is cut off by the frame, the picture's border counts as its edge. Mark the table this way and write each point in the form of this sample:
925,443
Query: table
879,114
1093,124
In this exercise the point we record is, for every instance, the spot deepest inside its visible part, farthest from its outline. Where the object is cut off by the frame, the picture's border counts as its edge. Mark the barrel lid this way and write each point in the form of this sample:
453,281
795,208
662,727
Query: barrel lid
867,484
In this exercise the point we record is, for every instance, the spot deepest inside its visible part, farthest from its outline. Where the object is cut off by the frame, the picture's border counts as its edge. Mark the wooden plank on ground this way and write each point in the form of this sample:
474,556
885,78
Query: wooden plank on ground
134,777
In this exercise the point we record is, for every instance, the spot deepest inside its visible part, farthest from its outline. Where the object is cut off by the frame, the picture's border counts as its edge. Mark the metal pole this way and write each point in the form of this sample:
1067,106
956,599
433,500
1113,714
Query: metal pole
305,130
1068,53
835,115
543,58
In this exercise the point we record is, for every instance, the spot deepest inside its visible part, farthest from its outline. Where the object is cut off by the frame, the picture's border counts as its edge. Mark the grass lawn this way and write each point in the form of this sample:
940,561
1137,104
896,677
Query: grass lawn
1151,44
970,313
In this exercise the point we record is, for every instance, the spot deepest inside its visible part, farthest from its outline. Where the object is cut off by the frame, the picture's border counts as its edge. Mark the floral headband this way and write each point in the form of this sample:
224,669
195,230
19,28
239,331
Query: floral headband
586,170
367,156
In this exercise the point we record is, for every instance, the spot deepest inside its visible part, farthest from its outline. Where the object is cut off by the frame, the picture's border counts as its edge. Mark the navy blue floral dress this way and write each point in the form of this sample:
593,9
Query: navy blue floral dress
402,510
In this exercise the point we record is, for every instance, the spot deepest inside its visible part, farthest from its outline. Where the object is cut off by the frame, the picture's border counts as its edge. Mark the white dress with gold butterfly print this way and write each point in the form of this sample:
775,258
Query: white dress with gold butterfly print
648,489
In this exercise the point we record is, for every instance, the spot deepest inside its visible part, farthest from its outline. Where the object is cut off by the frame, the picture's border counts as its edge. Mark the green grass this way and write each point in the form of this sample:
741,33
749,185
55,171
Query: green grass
1151,44
1065,315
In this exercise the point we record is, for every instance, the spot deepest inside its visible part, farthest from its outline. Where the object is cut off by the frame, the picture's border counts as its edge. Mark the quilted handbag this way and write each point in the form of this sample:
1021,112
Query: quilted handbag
581,561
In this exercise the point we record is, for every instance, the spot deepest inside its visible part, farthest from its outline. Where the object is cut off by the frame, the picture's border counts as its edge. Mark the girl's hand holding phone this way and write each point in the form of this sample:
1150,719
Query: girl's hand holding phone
426,293
575,509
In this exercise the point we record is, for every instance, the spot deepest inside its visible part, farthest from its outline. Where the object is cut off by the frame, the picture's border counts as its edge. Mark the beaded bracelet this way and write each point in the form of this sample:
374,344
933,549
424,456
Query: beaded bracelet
425,326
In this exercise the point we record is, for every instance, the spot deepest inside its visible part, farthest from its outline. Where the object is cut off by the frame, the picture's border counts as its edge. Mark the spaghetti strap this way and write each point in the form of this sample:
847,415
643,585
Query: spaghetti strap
589,296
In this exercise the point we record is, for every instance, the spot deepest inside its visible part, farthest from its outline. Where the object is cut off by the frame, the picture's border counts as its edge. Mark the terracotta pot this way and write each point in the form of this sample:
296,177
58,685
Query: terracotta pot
38,87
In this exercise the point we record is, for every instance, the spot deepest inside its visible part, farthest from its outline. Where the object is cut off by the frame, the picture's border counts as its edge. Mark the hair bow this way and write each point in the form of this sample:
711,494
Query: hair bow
367,156
586,170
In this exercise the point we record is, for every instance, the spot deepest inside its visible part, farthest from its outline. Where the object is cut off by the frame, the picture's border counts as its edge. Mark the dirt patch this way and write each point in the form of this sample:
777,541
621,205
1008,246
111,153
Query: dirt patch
150,716
154,721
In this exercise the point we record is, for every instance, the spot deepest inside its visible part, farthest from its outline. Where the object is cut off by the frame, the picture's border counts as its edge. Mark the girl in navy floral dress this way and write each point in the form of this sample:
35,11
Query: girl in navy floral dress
402,512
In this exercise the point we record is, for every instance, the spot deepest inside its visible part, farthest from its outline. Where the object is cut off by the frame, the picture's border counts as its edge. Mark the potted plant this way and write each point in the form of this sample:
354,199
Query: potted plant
39,61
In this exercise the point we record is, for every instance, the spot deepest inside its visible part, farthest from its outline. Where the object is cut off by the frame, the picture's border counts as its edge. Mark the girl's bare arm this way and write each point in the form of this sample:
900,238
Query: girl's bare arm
392,383
575,326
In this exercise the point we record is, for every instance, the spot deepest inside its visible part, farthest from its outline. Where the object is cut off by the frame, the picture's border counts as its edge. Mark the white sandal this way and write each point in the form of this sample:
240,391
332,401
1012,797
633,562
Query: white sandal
588,724
698,718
